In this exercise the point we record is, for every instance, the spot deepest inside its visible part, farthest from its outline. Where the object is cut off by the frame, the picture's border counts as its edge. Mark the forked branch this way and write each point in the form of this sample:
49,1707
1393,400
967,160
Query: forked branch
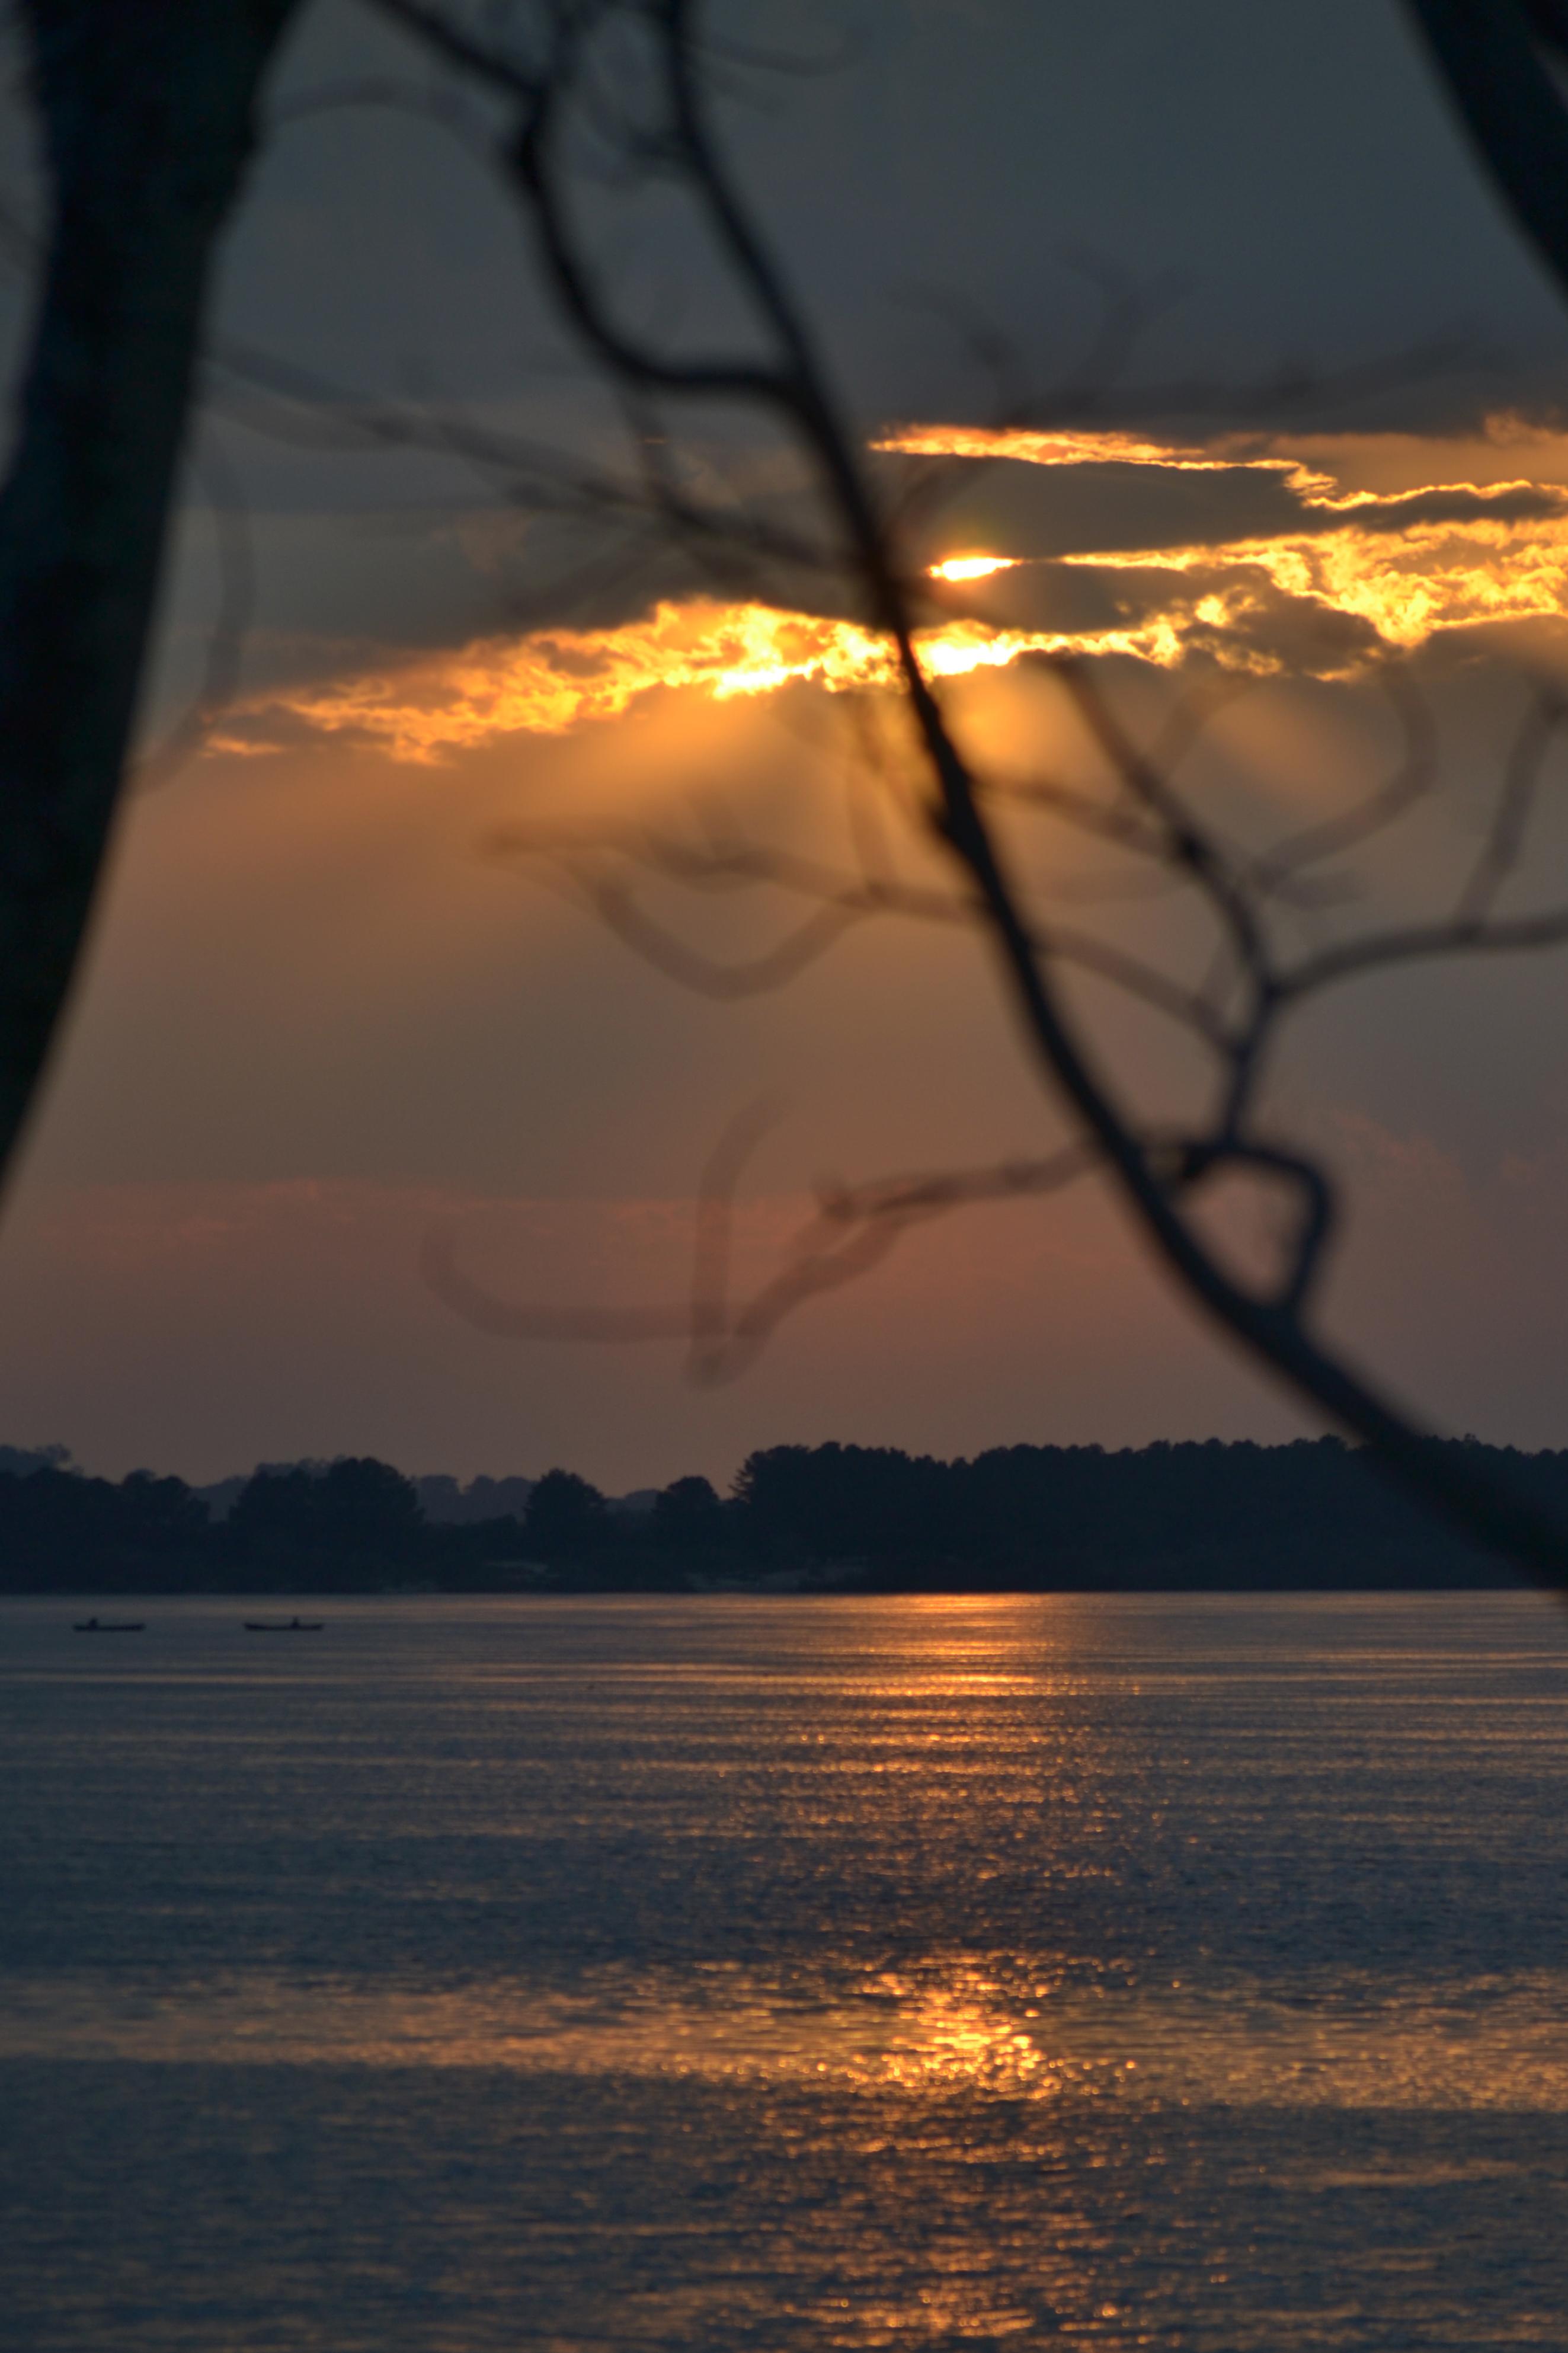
777,373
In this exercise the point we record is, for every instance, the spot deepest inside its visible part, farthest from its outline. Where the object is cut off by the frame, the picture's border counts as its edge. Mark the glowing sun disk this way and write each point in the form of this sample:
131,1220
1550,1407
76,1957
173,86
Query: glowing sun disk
971,567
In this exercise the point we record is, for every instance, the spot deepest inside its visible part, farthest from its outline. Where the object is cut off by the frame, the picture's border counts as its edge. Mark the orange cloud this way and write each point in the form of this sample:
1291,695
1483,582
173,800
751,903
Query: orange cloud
1365,570
557,678
1064,448
1446,554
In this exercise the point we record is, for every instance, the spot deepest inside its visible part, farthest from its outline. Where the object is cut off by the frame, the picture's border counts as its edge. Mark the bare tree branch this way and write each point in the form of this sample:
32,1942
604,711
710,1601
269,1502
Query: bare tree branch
854,1228
781,375
1505,835
1410,781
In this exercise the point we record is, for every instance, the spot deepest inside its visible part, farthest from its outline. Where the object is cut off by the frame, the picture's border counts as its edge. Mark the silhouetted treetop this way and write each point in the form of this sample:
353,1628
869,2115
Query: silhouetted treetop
565,1517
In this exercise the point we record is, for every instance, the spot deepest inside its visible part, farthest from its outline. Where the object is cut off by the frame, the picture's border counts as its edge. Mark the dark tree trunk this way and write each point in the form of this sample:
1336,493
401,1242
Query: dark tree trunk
147,113
1500,60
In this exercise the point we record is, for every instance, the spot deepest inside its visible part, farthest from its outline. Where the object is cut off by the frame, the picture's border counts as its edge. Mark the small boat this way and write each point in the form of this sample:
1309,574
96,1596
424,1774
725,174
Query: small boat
110,1626
283,1625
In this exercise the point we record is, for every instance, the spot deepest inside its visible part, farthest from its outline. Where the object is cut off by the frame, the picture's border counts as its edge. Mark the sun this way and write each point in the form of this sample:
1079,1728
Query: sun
971,568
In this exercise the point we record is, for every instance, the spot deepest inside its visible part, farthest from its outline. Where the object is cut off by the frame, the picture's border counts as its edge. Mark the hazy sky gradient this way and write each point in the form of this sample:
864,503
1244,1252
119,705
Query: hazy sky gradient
324,1018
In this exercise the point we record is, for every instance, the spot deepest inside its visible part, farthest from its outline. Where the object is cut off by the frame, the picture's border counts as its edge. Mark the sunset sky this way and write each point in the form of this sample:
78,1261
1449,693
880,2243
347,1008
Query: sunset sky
341,1005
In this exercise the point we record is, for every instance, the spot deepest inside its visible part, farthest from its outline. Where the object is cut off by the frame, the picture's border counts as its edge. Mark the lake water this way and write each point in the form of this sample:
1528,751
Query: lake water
608,1975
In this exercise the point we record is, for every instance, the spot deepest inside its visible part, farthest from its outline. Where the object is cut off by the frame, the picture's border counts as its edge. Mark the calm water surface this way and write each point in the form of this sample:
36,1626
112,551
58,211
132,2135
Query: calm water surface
601,1975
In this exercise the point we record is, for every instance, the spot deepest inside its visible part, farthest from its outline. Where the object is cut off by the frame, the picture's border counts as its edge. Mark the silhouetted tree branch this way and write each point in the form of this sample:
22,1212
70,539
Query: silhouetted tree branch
852,1228
781,375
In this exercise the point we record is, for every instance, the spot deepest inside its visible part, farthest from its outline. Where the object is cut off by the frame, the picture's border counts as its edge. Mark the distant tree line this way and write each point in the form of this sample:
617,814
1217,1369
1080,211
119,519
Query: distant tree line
1161,1518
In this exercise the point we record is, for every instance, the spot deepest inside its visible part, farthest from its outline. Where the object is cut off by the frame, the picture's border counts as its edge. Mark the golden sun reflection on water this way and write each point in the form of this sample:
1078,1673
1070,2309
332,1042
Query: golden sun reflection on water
928,2032
708,1973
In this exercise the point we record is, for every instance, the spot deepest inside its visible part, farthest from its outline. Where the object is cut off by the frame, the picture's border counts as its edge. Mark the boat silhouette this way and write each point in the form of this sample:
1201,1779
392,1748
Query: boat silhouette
110,1626
283,1625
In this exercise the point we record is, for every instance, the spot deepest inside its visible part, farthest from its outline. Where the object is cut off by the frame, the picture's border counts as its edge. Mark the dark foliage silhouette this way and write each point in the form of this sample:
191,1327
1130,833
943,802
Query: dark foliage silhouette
1309,1517
353,1512
565,1517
